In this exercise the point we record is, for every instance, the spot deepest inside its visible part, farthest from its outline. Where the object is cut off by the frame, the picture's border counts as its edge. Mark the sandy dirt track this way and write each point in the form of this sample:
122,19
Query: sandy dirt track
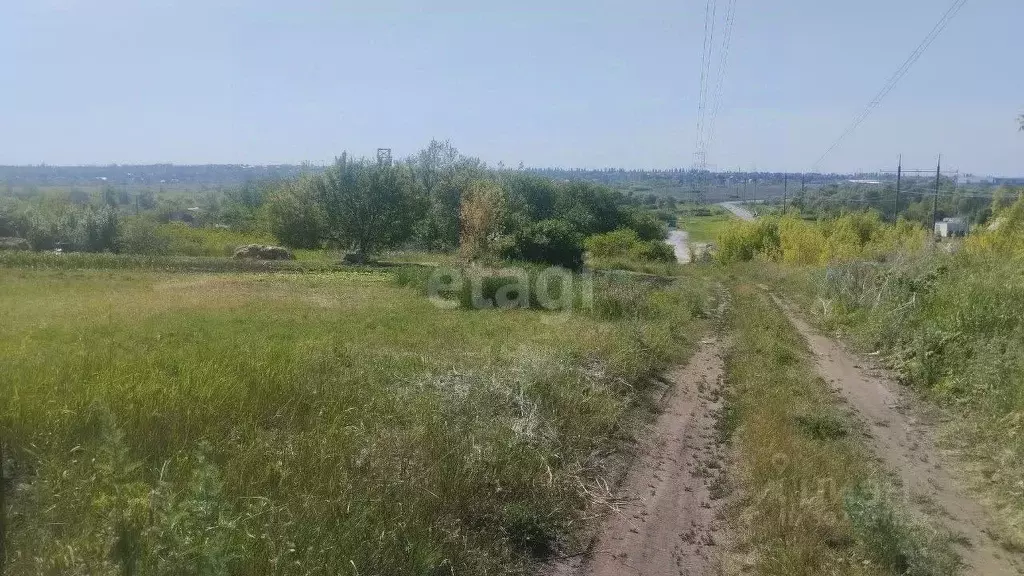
906,445
669,519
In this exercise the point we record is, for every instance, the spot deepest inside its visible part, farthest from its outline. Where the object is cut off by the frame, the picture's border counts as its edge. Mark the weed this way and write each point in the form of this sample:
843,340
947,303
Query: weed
821,427
890,538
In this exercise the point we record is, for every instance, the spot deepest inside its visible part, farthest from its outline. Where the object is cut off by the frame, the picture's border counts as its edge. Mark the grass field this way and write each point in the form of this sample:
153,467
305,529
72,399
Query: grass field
319,423
704,227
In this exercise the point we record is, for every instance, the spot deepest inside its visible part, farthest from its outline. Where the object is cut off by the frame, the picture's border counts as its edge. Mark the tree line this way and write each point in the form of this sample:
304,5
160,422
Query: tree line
438,199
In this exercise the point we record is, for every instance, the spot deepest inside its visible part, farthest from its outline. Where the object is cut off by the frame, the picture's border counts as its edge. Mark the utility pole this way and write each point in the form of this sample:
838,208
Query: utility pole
899,180
935,201
785,190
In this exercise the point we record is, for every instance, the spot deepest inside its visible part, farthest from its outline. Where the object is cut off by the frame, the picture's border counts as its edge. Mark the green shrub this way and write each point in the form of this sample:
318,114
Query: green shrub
646,224
612,244
790,239
553,242
294,217
626,243
892,539
142,235
654,251
741,241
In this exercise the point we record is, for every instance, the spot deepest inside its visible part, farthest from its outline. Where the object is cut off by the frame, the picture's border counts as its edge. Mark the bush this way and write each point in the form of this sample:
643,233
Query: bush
741,241
142,235
612,244
646,224
891,539
790,239
552,242
655,251
294,217
626,243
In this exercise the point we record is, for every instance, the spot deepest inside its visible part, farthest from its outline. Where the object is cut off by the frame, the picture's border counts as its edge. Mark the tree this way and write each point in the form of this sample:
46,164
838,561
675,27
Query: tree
483,204
589,208
645,223
443,174
366,207
294,216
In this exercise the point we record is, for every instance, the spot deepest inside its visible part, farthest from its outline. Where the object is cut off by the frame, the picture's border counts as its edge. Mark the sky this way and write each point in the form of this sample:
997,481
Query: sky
570,83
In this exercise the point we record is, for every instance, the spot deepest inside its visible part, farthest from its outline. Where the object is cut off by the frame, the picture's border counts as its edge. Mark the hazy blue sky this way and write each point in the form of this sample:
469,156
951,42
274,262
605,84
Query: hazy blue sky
589,83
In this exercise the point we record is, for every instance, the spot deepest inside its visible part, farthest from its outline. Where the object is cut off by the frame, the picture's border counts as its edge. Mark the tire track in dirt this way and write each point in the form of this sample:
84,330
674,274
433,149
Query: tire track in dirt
670,511
906,444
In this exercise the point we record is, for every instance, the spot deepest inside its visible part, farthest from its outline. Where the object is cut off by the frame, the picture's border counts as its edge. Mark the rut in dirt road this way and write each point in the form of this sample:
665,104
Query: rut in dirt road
669,521
907,446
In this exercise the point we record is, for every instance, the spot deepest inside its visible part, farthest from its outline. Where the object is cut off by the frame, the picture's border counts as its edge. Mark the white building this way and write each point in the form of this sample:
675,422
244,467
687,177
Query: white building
952,227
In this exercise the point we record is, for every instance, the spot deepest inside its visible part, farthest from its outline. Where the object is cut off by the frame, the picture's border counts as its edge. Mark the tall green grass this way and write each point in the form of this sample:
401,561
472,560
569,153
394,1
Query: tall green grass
330,423
791,240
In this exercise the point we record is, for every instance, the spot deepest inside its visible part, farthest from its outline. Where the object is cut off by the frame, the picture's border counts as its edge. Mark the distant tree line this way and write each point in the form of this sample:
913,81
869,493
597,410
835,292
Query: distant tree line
437,199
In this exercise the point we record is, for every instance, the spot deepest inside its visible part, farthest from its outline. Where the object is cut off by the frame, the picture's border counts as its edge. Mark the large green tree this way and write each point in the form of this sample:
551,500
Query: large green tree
443,175
367,207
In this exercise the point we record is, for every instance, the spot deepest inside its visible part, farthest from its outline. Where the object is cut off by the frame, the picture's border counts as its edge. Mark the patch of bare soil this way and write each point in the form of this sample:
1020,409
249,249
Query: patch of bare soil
904,441
669,510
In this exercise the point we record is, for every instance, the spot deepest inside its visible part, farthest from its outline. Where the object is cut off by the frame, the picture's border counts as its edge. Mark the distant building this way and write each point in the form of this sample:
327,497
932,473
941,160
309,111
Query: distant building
950,227
974,179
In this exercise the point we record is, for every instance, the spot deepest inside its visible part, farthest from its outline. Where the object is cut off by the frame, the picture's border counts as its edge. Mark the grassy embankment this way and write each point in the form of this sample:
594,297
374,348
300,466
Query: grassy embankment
952,327
327,423
947,319
809,499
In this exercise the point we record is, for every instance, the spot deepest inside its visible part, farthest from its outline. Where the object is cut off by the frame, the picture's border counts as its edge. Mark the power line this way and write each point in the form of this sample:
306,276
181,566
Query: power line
895,78
710,15
730,19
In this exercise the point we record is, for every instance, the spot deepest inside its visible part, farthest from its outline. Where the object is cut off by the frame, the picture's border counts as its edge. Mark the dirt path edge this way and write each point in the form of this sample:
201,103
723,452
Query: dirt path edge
905,442
669,512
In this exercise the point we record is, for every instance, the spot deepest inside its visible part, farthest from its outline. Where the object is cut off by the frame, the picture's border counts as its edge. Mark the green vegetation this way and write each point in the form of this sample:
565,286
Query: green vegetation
791,240
811,502
952,326
435,201
893,540
703,223
425,408
318,423
625,244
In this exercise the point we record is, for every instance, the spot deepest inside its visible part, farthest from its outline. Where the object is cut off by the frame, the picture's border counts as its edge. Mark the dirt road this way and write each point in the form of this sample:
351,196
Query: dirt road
740,212
669,521
906,444
679,241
